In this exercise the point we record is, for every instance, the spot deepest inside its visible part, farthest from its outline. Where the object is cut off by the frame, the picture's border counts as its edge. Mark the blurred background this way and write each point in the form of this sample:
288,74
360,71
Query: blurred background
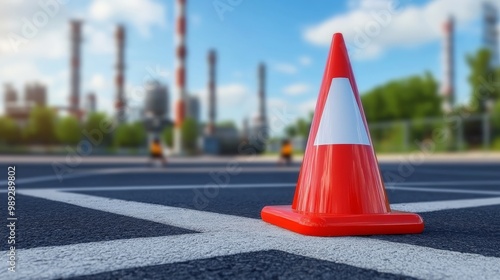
237,76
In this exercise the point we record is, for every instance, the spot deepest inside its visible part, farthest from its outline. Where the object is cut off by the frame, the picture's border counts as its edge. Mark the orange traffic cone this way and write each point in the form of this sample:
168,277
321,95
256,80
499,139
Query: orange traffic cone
340,190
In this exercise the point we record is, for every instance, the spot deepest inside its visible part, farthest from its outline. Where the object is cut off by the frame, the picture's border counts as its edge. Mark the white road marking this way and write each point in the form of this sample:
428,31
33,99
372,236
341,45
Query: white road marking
448,183
432,206
141,170
226,234
391,186
179,217
457,172
165,187
441,190
341,121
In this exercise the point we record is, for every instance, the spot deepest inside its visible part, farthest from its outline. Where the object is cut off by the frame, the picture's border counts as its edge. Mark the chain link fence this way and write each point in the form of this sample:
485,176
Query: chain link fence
453,133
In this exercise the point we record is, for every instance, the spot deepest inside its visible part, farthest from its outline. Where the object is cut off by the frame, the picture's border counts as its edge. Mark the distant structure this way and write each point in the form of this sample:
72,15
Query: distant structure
156,106
212,110
35,94
91,106
448,82
490,33
76,39
193,108
260,126
120,78
10,96
181,54
245,128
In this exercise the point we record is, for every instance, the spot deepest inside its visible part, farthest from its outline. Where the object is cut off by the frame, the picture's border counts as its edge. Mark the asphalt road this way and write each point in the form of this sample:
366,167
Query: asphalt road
200,218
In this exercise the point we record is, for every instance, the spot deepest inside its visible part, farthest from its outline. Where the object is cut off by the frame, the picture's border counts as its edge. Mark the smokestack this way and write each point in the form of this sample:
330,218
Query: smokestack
74,96
246,128
490,32
120,69
262,99
448,87
181,53
91,103
211,92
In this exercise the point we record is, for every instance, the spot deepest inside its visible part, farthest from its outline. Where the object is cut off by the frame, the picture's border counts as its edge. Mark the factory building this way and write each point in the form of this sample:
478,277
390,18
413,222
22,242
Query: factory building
156,107
18,109
91,105
193,108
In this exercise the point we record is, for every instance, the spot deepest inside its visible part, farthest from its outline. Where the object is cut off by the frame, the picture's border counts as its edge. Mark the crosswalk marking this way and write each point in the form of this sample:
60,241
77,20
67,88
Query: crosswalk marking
226,234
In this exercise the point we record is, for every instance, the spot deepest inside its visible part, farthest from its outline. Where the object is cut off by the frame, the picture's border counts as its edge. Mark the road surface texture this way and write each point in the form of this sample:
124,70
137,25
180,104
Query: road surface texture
120,218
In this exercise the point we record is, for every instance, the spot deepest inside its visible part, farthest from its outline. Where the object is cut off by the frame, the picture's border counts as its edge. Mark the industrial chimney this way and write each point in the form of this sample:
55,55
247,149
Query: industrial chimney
91,103
212,111
262,100
448,82
181,52
490,32
120,78
74,96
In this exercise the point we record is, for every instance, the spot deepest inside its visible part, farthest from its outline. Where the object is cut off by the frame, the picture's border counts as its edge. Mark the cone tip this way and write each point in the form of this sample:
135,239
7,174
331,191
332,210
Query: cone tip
337,35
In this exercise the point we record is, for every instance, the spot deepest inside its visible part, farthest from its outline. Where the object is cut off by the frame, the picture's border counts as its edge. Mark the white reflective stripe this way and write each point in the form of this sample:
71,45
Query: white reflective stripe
341,121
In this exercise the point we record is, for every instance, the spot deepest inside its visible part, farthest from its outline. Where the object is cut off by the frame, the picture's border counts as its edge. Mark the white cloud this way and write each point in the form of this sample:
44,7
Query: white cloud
305,108
22,72
296,89
372,27
26,29
305,60
100,40
233,99
285,68
367,4
143,14
97,82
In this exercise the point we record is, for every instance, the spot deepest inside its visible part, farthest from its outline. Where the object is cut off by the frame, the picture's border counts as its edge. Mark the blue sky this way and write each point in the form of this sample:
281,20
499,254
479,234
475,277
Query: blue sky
291,37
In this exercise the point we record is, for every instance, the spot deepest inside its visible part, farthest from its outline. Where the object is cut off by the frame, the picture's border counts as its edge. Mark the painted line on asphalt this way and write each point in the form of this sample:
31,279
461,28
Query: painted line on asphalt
169,187
441,190
398,186
457,172
225,234
135,170
432,206
201,221
448,183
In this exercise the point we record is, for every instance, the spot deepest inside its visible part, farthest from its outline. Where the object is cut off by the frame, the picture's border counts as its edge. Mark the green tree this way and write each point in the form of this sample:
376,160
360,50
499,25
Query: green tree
409,98
226,124
291,131
138,134
99,128
168,136
482,80
41,126
130,135
9,131
303,127
189,131
68,130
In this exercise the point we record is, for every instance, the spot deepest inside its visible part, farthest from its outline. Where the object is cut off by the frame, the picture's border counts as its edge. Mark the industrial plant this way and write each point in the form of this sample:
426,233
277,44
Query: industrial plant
155,113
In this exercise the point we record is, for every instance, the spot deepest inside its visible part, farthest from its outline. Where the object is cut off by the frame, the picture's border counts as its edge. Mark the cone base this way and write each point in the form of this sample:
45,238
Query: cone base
394,222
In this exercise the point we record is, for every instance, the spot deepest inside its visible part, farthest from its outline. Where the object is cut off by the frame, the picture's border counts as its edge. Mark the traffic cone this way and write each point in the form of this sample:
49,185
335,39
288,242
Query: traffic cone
339,189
